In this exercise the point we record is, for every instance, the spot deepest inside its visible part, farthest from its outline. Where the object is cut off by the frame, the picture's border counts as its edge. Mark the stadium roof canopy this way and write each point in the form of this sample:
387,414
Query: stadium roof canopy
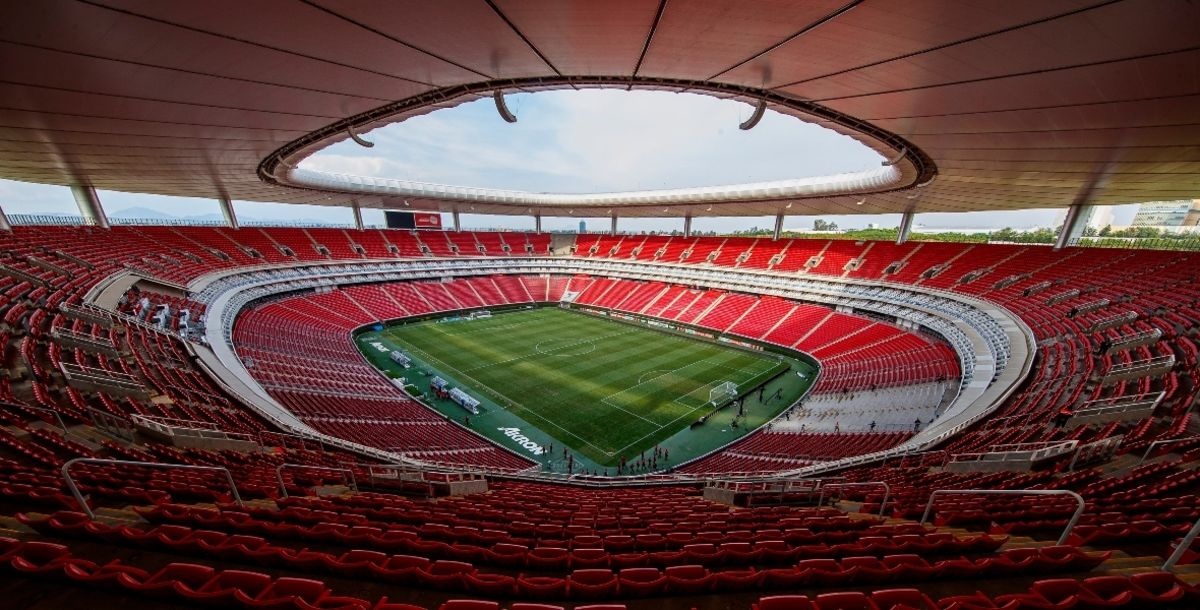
984,105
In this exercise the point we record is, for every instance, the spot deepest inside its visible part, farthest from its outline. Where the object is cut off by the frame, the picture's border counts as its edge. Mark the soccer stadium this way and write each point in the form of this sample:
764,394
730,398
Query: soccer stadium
430,415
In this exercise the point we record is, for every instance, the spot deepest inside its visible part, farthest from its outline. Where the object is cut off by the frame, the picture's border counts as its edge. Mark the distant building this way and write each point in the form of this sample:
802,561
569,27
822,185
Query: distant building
1094,217
583,226
1182,213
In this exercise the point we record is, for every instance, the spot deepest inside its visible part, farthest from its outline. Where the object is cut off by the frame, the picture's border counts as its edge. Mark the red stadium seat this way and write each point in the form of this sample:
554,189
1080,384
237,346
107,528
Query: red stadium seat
688,579
548,558
845,601
445,575
541,587
173,577
641,582
230,587
469,604
494,585
914,599
784,602
592,583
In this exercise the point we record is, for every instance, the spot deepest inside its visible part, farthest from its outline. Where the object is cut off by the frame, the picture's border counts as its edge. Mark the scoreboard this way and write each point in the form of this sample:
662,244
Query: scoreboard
413,220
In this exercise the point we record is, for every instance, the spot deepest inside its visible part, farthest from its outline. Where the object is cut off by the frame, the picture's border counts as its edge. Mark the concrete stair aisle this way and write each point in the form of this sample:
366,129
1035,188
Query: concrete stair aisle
1120,563
1124,563
95,437
80,433
1189,574
1014,542
1120,465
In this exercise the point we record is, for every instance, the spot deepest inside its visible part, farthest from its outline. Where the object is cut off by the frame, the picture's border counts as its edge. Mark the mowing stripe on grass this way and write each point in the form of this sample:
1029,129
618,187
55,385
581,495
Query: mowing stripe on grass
634,387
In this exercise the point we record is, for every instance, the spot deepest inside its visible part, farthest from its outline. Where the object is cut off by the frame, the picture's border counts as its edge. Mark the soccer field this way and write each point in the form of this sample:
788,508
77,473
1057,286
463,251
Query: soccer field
604,388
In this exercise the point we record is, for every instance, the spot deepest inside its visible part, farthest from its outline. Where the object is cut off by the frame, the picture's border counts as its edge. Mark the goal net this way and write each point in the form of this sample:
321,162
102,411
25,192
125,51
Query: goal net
724,391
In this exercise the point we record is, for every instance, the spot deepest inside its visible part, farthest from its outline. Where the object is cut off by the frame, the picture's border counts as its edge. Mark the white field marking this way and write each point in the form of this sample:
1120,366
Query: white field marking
476,328
656,377
590,343
691,410
606,400
628,412
500,396
537,352
751,372
708,386
659,429
643,376
503,398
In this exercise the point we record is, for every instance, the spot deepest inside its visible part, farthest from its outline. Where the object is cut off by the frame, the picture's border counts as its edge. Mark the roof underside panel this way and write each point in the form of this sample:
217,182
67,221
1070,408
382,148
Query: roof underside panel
1017,104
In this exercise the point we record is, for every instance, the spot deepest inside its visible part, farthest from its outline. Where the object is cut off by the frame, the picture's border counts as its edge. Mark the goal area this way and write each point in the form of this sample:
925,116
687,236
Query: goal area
723,392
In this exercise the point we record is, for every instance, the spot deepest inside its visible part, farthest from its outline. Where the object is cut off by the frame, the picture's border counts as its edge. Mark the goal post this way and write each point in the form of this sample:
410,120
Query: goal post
723,392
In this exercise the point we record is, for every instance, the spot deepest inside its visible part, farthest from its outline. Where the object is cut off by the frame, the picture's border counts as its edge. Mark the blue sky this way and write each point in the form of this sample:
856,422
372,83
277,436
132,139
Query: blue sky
570,141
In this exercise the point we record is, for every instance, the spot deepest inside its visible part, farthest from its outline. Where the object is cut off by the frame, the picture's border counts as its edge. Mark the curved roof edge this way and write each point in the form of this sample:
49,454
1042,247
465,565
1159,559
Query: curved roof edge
907,165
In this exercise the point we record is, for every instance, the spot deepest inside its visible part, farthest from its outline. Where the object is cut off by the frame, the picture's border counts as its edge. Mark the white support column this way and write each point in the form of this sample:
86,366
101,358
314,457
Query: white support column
778,227
89,205
687,225
457,221
537,223
357,209
905,227
1071,226
5,225
613,231
228,212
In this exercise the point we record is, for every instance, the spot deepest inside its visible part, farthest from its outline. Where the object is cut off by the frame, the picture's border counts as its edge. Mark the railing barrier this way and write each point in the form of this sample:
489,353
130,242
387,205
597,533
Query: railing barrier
1015,492
237,498
1184,545
283,487
1169,441
57,417
887,491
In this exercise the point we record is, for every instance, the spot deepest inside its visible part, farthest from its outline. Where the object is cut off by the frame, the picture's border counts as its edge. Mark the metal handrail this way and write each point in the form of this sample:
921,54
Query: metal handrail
1168,441
211,432
1108,444
1184,545
1016,492
237,498
283,487
1105,405
57,417
1004,453
887,491
173,422
112,424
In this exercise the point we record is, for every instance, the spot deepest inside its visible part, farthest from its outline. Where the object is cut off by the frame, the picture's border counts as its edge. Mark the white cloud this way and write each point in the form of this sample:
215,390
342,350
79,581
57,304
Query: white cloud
344,164
28,198
604,140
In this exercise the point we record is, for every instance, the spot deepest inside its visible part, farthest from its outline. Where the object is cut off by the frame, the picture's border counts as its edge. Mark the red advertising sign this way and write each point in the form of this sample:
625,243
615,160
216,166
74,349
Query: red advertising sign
422,220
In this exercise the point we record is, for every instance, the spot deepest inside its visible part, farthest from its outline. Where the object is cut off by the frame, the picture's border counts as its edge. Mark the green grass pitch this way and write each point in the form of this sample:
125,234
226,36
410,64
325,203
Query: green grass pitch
606,389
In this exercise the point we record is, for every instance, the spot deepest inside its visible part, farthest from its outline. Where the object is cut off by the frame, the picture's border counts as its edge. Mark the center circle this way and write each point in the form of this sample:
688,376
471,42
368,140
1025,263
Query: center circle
565,347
